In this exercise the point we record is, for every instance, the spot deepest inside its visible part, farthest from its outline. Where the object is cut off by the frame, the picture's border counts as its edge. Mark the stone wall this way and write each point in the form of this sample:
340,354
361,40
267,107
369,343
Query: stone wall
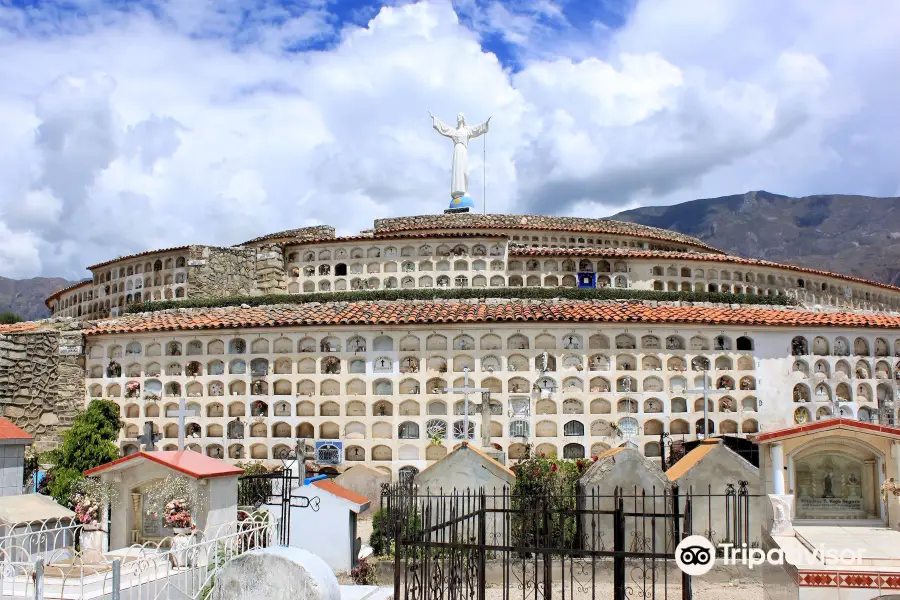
270,272
42,382
537,222
217,272
315,232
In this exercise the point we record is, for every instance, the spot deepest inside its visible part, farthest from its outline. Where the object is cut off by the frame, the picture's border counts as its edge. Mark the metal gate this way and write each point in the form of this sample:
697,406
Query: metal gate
277,488
450,547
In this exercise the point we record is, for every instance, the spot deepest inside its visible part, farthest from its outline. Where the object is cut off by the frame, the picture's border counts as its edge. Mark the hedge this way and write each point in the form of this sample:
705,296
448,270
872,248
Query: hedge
525,293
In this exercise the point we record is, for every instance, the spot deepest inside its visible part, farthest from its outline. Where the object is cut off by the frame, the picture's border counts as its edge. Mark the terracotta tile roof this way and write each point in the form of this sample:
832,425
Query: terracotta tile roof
19,327
459,312
65,290
394,236
533,223
668,255
340,491
849,425
193,464
138,255
692,458
8,431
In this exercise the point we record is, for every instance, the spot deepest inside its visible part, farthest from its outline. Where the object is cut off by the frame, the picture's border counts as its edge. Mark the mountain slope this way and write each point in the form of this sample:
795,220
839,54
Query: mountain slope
25,297
853,235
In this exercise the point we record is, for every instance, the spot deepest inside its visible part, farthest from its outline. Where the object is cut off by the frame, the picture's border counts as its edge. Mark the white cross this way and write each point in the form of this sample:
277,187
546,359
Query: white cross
466,390
706,392
181,413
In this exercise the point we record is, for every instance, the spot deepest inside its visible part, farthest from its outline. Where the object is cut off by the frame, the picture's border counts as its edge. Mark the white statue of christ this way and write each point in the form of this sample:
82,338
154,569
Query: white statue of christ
459,181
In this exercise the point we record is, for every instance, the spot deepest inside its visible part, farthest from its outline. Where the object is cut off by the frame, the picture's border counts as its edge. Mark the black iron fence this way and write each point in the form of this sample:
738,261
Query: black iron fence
450,545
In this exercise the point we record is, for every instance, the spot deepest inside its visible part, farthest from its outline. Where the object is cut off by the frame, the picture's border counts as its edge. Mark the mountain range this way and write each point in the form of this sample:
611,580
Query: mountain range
25,297
853,235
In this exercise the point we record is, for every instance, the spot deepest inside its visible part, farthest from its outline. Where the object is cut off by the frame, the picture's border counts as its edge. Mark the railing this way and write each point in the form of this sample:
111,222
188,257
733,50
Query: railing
179,567
25,542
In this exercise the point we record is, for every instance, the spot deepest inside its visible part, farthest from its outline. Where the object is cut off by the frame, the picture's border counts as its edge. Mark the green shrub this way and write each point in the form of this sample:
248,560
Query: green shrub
88,443
382,536
525,293
546,485
383,524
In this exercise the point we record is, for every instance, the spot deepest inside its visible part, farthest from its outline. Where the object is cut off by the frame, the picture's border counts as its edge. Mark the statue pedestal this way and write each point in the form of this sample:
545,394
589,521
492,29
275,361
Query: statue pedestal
782,514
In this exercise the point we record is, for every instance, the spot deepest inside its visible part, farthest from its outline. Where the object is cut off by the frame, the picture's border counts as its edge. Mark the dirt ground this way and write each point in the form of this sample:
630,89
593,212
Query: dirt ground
738,589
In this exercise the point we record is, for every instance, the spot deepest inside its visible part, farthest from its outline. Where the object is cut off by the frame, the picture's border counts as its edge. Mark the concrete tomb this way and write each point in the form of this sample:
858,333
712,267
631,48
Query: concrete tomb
709,469
300,575
644,488
366,482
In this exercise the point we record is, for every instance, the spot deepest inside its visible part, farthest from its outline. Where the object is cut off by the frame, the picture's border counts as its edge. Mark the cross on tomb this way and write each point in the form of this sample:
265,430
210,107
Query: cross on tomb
181,413
466,390
148,439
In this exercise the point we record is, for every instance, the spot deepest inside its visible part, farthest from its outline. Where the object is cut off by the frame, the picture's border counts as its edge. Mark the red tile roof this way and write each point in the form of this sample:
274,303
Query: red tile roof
193,464
138,255
8,431
849,425
19,327
340,491
532,223
452,312
668,255
393,236
66,289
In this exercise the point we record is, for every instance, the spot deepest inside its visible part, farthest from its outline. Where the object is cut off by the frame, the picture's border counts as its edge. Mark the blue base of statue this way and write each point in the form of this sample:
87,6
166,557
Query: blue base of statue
462,202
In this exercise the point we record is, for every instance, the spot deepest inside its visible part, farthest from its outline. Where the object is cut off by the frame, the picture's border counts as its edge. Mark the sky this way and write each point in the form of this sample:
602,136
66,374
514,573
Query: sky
129,125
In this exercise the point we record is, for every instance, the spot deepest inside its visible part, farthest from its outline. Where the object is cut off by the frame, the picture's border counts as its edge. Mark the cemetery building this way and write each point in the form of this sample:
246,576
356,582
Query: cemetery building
134,475
13,441
379,382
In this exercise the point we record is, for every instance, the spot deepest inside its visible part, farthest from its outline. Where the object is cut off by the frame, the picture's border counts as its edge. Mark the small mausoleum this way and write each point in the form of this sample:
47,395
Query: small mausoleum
323,521
639,481
824,481
134,475
723,487
366,482
466,467
13,441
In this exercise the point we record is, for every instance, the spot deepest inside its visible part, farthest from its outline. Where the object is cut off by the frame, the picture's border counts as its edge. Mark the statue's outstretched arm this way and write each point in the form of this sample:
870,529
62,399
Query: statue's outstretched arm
439,126
480,129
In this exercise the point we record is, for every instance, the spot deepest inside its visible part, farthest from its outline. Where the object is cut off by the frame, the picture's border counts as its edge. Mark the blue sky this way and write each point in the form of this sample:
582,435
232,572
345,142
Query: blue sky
134,125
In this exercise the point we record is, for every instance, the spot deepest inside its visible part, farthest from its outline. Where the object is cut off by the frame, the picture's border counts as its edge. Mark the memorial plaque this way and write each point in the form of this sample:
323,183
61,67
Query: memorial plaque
830,486
267,255
70,350
197,262
152,527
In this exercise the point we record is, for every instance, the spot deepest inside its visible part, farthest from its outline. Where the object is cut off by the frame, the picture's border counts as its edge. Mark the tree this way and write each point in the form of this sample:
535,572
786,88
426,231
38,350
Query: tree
8,318
89,443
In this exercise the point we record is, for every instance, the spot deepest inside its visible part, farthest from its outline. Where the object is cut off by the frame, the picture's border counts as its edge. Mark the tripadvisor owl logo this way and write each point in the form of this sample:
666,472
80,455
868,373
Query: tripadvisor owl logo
695,555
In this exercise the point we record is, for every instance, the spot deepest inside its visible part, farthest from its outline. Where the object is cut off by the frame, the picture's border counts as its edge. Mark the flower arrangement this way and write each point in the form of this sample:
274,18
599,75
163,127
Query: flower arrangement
890,488
132,389
90,496
175,499
87,510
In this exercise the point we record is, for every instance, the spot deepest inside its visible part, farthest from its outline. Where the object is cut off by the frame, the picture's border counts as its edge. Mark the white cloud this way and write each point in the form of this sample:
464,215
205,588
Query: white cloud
129,131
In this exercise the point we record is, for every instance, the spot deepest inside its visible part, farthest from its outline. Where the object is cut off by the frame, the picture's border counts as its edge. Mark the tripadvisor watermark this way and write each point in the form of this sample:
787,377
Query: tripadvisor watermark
696,555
